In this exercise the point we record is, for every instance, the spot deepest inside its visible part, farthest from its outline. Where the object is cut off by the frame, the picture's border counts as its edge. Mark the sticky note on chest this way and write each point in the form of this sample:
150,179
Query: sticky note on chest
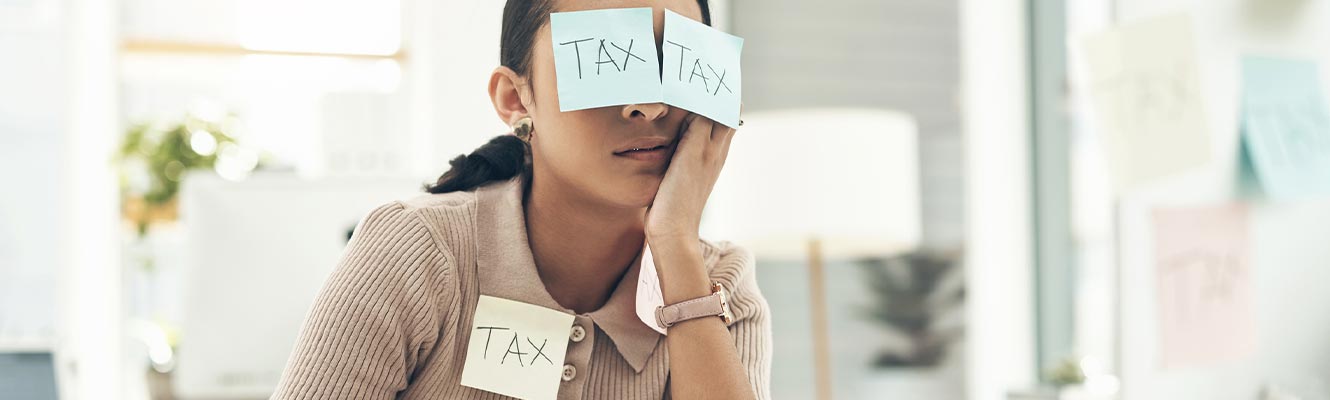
605,57
701,69
516,349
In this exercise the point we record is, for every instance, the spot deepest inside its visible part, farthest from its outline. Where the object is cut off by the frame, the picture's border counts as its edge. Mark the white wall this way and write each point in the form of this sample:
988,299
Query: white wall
1288,252
32,99
462,51
998,234
57,212
91,334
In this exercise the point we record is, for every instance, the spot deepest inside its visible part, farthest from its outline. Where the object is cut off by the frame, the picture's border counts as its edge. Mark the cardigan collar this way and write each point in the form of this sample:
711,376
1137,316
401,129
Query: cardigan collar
508,270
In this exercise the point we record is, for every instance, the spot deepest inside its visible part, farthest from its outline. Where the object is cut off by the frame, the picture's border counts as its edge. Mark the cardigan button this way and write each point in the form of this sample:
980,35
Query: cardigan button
569,372
578,333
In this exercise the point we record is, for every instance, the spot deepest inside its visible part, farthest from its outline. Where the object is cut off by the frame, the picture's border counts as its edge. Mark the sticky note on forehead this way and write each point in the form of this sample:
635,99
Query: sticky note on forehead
605,58
701,69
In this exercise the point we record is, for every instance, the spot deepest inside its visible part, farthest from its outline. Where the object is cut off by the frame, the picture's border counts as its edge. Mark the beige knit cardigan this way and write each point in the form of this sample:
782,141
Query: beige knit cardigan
393,320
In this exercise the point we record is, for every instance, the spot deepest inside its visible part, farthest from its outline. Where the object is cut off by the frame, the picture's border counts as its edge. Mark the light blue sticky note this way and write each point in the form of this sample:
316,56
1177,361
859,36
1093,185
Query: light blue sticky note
605,58
701,72
1286,126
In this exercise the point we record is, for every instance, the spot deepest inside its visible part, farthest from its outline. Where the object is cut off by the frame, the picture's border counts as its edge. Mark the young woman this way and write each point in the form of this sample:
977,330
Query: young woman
553,215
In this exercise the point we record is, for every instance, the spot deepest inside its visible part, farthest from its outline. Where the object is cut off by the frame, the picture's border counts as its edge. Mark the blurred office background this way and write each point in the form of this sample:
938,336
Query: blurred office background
978,216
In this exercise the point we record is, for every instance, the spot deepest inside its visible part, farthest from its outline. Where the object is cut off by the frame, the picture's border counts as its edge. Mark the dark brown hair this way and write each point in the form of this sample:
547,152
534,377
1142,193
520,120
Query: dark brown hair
505,156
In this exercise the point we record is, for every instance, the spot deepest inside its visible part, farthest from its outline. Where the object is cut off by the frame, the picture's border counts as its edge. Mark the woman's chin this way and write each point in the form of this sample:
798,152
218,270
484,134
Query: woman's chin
640,192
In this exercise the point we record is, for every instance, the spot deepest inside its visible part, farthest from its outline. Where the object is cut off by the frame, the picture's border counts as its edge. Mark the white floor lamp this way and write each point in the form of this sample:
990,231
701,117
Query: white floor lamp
818,184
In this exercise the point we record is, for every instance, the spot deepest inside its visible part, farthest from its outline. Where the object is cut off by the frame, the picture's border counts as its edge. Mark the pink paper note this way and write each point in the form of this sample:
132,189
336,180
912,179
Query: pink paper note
648,291
1203,283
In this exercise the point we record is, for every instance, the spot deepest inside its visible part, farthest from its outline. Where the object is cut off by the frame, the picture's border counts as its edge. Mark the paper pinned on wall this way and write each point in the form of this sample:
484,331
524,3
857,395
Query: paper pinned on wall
605,57
1203,285
1145,90
1286,127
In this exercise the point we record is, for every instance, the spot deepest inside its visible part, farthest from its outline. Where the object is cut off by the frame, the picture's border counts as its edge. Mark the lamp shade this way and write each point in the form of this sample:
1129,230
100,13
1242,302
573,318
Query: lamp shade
847,177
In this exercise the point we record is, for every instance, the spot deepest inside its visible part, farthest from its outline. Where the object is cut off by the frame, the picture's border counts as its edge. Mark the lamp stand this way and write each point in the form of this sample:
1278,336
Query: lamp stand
818,306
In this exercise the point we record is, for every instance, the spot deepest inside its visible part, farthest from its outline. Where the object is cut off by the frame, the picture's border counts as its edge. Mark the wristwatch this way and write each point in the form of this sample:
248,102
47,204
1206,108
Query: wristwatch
717,304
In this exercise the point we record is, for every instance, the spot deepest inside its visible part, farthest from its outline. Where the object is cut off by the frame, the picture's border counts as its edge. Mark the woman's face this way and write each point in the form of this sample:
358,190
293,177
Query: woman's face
580,150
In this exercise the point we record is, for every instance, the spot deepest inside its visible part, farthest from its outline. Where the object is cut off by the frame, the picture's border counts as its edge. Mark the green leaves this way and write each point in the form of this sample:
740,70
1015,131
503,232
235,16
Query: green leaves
912,294
153,159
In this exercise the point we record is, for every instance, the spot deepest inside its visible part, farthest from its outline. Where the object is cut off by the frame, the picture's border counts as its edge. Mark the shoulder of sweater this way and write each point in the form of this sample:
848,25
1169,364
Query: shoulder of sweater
725,257
735,267
395,259
398,234
444,212
443,216
441,201
397,222
401,221
392,245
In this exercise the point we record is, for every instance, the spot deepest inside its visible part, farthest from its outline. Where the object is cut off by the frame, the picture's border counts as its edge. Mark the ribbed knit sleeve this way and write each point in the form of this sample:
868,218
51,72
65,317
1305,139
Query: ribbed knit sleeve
378,315
737,271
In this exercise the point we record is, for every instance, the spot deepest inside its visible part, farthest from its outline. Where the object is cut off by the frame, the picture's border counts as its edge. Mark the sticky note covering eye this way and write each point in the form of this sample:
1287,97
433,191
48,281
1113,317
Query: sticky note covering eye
605,57
609,57
701,69
516,349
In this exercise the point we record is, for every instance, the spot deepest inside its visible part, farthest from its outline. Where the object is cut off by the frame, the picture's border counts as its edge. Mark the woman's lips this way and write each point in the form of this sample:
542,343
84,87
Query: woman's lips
658,153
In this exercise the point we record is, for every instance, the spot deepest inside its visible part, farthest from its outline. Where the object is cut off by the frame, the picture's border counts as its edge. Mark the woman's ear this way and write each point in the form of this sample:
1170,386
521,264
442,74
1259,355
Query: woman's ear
509,93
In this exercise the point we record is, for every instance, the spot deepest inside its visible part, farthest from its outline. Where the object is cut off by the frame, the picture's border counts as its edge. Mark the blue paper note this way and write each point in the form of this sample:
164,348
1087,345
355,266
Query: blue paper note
605,58
1286,126
701,69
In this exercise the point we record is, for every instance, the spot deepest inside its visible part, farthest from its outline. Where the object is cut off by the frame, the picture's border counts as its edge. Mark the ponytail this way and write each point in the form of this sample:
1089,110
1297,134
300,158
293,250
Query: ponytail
502,158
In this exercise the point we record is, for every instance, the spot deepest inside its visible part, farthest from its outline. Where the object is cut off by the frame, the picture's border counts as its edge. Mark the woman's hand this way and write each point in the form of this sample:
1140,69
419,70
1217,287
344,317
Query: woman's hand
704,362
676,213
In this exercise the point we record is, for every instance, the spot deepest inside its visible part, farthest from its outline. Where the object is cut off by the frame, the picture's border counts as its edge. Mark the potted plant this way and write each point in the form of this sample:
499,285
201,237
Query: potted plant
152,161
917,300
154,158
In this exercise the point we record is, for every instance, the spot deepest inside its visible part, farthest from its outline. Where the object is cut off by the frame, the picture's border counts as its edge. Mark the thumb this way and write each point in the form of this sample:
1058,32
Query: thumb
696,133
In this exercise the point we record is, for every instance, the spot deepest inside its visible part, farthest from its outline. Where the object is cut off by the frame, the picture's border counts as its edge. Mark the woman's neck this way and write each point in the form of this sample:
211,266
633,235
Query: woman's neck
581,249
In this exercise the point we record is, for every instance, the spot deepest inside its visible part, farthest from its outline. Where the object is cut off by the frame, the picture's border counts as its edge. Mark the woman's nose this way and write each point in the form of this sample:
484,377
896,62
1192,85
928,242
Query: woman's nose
649,111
